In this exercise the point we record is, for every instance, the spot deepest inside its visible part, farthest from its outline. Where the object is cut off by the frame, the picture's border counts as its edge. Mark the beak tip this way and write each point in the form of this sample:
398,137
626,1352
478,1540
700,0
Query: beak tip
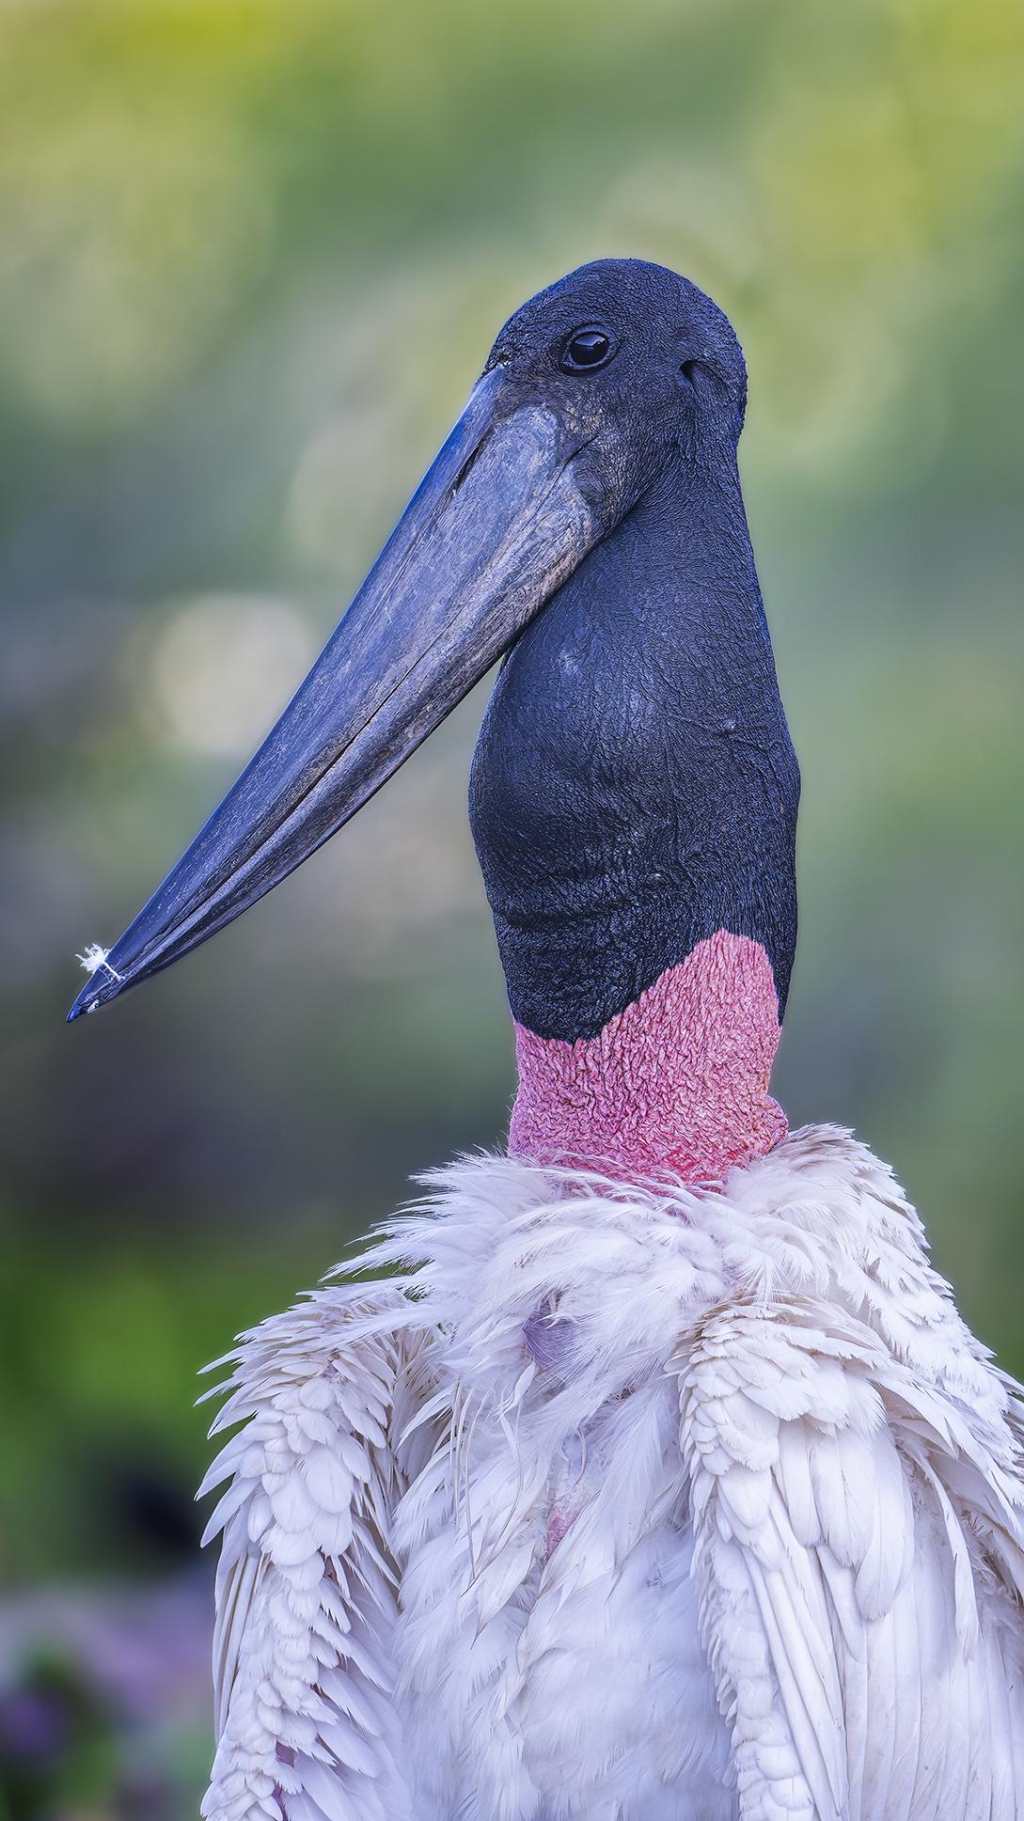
88,1000
103,984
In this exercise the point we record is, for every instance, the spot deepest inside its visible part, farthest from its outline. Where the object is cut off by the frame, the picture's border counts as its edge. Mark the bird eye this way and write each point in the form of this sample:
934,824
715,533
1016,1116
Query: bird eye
586,350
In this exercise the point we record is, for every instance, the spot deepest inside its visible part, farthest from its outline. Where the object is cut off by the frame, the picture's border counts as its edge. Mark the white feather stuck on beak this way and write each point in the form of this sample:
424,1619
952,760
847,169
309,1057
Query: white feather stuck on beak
94,958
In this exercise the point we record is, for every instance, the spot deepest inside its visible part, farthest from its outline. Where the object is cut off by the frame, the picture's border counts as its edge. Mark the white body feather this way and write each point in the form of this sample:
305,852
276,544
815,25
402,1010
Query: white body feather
626,1504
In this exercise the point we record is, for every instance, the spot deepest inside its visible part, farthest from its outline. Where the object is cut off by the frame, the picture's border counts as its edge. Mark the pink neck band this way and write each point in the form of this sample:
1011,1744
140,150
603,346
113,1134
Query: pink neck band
678,1081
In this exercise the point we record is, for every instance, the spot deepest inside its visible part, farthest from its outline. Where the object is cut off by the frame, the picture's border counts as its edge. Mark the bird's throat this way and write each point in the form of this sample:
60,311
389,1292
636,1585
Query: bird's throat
634,803
677,1082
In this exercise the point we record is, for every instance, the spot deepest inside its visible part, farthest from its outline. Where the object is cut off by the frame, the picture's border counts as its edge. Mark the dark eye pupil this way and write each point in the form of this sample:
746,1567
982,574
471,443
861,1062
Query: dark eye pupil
588,348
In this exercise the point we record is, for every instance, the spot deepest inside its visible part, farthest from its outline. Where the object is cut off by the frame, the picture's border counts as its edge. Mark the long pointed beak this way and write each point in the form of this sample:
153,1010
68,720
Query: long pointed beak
497,524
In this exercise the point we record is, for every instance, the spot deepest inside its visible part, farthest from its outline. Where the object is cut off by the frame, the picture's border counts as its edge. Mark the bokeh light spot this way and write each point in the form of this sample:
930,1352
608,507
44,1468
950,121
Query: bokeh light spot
222,668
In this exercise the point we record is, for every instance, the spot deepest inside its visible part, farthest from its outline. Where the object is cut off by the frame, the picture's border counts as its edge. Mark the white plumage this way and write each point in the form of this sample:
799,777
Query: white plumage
627,1504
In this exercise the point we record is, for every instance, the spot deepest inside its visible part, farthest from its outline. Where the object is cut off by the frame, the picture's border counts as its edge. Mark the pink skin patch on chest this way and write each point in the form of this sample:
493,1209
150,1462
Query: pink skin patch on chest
677,1082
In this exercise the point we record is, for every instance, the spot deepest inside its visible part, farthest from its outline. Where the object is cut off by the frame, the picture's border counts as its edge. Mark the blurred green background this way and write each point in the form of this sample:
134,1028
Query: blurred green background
252,258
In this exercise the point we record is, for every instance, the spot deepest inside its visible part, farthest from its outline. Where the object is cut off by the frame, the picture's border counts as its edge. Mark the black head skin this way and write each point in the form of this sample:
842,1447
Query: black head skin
634,787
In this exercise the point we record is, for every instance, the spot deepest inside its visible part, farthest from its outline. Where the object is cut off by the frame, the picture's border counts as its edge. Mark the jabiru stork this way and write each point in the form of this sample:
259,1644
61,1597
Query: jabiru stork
655,1477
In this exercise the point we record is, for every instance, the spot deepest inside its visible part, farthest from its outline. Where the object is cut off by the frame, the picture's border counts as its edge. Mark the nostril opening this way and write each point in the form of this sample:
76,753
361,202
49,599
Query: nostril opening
688,371
467,465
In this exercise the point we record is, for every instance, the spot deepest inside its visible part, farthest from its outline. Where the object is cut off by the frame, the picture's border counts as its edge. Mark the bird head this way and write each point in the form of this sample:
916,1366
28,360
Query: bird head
591,389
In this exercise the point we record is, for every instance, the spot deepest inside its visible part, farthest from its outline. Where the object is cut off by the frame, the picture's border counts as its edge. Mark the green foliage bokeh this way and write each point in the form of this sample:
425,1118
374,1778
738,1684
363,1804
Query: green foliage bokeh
253,256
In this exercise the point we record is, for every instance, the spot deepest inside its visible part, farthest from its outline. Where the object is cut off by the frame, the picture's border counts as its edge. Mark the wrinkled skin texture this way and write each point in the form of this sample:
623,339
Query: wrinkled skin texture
634,788
677,1083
